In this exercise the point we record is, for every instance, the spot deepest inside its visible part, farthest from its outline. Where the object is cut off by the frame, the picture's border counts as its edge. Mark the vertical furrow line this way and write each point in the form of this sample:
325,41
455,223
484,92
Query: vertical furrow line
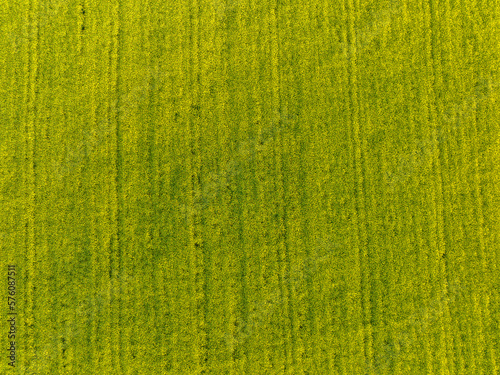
165,172
485,274
94,250
452,194
235,336
356,341
184,328
406,336
31,177
292,197
365,287
283,250
312,337
204,257
463,340
157,274
287,148
473,322
106,356
492,297
430,117
417,238
94,244
80,348
151,184
260,168
490,196
483,288
283,255
465,353
116,194
438,195
196,220
177,220
237,194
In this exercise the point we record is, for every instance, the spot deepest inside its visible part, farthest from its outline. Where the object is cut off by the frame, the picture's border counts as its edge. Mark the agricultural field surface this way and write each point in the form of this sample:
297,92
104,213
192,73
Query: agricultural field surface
250,187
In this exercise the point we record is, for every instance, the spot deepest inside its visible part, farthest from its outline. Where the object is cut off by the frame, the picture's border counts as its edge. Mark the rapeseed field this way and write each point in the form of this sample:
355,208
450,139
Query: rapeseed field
250,187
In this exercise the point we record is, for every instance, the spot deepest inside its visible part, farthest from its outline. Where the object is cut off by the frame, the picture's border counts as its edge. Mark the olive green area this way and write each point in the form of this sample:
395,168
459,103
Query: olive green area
251,186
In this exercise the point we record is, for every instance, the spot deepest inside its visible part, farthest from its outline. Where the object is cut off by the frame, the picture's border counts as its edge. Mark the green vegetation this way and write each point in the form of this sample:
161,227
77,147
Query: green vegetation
251,187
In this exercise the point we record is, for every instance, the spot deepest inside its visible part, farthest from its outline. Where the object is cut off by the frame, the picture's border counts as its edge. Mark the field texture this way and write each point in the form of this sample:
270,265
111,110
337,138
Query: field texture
250,187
